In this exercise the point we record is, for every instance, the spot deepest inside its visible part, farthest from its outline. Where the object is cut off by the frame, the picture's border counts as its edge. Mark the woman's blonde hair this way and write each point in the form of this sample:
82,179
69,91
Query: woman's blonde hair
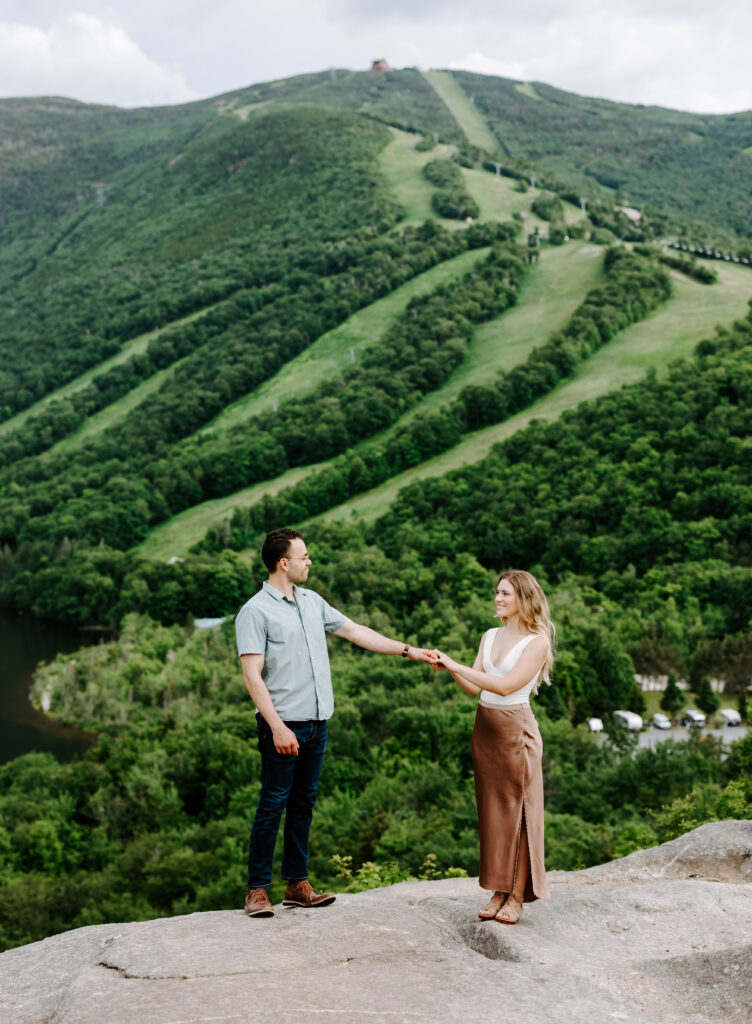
533,612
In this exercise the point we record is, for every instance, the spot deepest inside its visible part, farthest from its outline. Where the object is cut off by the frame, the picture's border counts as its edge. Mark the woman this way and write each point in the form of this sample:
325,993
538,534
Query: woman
507,745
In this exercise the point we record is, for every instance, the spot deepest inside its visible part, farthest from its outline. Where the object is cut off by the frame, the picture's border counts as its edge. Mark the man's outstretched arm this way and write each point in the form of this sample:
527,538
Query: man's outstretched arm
366,637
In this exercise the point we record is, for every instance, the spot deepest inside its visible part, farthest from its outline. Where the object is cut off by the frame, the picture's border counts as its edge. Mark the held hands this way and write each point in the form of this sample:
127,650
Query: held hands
441,661
420,654
435,658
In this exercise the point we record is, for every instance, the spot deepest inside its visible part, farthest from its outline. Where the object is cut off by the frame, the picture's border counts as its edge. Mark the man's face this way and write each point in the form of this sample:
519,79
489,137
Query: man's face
297,561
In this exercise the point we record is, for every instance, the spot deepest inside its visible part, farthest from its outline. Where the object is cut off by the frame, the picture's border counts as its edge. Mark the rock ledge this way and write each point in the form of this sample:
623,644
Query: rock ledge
660,937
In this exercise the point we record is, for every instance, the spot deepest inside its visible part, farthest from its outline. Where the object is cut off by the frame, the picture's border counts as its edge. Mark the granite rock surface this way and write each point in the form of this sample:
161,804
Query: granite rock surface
660,937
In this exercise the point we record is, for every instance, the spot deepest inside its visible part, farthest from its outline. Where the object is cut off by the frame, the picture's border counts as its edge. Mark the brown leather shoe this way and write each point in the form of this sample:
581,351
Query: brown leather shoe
257,904
302,894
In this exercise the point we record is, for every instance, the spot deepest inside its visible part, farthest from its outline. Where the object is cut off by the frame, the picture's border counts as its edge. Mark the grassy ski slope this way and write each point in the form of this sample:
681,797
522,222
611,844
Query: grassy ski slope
552,291
668,334
463,110
131,348
335,349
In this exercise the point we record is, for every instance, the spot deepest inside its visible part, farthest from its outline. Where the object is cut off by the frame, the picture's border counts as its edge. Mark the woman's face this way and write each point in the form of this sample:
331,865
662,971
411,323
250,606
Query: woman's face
506,600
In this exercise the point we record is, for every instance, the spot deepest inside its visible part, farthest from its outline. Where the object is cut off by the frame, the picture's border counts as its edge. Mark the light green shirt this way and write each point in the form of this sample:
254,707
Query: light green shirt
292,637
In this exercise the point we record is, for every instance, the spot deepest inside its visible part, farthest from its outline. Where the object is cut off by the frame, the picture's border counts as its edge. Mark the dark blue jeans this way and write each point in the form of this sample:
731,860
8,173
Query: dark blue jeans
287,781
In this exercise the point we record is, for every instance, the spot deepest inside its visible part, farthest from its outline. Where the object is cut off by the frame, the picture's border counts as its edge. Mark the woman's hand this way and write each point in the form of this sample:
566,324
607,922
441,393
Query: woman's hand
443,661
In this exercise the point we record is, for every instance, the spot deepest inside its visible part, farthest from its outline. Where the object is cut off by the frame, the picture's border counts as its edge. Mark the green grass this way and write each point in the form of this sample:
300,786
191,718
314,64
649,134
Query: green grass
463,111
499,200
113,413
668,334
549,295
403,167
496,196
653,701
552,290
131,348
527,89
175,537
335,350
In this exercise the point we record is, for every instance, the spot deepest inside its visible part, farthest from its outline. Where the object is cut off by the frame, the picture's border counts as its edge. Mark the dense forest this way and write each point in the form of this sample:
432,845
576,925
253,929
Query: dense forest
161,267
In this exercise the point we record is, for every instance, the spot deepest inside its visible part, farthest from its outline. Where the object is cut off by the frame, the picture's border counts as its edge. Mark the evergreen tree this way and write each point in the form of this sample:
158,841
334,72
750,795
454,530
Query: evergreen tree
637,702
742,703
672,699
550,697
707,699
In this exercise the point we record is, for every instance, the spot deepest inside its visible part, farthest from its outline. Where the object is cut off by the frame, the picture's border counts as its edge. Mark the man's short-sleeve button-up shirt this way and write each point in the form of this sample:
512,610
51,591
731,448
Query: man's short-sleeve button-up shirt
292,637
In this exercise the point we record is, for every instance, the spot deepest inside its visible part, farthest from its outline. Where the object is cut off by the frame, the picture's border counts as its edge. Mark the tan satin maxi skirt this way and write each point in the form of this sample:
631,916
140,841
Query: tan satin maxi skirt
507,753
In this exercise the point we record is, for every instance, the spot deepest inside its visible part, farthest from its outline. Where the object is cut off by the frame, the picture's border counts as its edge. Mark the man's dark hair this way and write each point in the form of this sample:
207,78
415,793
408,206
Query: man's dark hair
277,545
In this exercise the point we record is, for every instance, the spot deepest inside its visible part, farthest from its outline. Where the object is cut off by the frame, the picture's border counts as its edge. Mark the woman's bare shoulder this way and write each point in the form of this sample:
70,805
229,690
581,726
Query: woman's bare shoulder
539,644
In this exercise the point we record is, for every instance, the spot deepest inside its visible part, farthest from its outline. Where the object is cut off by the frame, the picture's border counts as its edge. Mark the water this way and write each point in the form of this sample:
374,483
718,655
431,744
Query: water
24,642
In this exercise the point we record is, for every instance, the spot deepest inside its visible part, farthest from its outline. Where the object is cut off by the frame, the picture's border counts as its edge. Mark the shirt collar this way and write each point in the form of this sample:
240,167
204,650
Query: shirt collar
278,595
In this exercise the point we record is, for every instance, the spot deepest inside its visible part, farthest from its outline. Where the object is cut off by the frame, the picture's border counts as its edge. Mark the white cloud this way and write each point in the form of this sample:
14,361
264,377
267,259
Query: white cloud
86,58
688,63
678,53
483,65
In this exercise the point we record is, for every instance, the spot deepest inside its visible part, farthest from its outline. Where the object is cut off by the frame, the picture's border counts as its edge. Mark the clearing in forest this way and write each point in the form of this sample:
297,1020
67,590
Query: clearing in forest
551,291
463,110
330,354
130,348
670,333
403,167
549,294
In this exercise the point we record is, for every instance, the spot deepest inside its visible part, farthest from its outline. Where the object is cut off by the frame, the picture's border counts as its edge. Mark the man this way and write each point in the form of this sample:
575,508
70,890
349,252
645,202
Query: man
281,634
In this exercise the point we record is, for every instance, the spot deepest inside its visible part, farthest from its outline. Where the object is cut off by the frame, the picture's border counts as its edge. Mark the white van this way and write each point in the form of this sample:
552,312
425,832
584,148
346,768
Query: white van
629,719
730,716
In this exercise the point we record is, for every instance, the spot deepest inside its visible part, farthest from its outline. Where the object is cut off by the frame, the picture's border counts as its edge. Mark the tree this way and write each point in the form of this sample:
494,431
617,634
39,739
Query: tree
707,699
672,699
742,703
636,701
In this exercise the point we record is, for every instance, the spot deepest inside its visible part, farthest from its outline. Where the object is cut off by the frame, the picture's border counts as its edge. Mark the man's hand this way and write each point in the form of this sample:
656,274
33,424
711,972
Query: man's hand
285,740
421,654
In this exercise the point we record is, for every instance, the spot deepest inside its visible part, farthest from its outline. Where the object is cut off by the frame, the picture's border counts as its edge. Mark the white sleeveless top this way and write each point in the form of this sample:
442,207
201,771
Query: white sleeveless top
519,698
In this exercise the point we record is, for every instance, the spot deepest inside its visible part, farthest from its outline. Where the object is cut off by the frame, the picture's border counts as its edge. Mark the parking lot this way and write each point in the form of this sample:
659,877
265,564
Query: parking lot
651,736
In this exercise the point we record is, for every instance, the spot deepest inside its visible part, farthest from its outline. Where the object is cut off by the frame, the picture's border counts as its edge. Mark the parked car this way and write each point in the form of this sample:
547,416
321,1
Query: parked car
730,716
692,716
630,720
661,721
595,725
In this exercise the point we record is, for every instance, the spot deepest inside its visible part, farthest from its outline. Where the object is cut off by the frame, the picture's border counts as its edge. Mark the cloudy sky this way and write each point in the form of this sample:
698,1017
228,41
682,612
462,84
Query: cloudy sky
687,54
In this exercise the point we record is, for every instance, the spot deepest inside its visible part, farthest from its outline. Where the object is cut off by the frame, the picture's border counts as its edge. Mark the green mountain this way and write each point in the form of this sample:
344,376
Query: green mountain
165,269
694,165
336,301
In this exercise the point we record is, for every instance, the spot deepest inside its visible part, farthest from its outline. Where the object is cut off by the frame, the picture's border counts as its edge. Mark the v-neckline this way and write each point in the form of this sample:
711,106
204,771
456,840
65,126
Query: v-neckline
490,653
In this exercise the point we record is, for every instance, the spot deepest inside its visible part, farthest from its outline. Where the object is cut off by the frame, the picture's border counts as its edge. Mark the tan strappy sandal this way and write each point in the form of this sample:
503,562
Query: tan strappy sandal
494,905
511,912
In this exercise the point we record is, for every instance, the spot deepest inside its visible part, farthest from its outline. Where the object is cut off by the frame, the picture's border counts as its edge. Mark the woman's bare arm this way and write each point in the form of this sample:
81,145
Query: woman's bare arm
530,663
466,684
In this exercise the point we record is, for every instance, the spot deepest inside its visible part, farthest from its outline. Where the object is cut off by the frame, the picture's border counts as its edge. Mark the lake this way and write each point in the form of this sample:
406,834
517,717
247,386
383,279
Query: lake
24,642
